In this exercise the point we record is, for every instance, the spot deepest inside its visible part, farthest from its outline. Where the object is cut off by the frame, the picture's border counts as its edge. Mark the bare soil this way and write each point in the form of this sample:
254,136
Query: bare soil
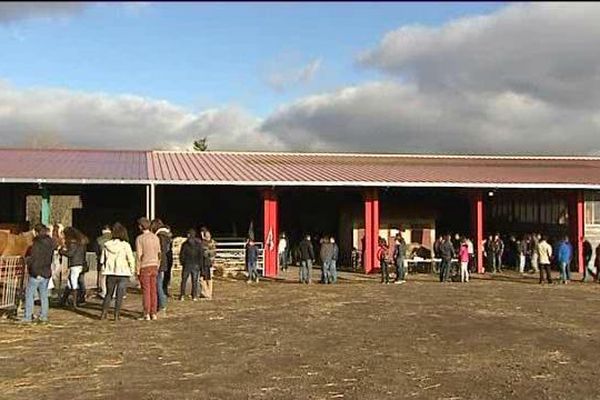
493,338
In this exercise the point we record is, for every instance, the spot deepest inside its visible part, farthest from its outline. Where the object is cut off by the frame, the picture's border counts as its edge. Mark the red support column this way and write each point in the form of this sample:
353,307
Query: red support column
270,230
368,250
477,219
371,230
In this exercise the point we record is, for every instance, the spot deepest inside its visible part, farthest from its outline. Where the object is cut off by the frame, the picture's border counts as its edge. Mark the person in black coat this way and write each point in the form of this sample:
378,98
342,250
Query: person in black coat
74,249
39,264
251,260
446,253
191,257
307,257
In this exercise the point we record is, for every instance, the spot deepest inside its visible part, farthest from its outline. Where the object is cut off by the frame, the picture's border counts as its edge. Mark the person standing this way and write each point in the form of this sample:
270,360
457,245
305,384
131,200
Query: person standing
282,252
535,252
98,248
164,238
147,246
382,257
471,249
334,260
307,256
597,262
522,254
446,253
74,250
588,268
463,258
326,254
488,253
437,245
565,253
169,268
206,271
498,252
191,257
399,255
544,257
39,265
251,260
118,266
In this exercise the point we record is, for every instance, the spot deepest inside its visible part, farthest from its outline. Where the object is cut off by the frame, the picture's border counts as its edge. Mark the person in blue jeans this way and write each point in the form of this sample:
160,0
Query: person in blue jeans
39,263
564,255
336,255
326,254
307,256
191,258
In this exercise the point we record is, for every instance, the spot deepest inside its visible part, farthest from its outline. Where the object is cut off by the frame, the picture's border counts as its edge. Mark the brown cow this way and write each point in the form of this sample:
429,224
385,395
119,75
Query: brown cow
15,245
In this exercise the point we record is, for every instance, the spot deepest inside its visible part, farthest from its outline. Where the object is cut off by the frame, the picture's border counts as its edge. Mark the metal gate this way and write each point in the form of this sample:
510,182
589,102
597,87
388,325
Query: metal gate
12,281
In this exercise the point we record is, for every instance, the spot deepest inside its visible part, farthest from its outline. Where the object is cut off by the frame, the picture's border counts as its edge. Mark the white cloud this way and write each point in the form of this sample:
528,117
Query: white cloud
75,119
12,11
287,78
525,79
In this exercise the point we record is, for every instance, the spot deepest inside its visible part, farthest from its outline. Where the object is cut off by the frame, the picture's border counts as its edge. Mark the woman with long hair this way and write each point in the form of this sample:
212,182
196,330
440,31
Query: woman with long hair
118,266
73,248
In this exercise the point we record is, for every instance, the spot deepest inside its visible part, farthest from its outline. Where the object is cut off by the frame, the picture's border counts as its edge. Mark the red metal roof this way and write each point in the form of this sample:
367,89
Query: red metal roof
353,169
235,168
67,165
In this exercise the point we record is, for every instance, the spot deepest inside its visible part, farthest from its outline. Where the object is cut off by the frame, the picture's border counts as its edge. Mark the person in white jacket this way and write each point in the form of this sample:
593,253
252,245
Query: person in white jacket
118,265
282,252
545,256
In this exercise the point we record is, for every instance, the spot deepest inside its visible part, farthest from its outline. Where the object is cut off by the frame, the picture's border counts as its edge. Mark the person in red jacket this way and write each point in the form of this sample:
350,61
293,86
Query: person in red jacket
382,256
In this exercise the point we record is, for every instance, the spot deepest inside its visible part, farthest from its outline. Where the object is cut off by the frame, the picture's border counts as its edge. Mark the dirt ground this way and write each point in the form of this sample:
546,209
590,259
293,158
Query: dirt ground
499,338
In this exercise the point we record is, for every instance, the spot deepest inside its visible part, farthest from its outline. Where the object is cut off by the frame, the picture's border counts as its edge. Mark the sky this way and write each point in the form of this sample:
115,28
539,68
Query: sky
459,78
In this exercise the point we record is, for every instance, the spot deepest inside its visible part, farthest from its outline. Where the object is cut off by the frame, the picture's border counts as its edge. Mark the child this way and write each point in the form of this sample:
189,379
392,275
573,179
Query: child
251,259
463,258
382,255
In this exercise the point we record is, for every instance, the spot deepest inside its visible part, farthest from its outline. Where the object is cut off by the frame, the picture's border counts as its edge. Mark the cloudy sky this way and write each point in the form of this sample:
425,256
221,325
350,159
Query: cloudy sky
460,78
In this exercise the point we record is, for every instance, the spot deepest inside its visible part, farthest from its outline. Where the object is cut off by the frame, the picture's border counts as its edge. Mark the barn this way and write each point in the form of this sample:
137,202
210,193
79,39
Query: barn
354,197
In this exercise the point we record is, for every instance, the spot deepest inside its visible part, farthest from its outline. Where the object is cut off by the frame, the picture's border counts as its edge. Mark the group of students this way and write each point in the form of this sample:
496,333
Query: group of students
536,251
117,265
305,254
385,257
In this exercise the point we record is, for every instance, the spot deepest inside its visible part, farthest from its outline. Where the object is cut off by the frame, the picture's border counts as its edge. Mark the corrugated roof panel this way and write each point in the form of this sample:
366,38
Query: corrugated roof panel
324,168
73,164
291,168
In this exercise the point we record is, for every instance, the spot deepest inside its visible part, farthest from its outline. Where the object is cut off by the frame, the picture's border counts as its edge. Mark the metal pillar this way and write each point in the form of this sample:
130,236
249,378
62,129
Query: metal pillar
148,201
152,201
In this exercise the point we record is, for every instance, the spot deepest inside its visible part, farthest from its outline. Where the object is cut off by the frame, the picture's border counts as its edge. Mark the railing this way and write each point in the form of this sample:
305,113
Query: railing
12,281
231,256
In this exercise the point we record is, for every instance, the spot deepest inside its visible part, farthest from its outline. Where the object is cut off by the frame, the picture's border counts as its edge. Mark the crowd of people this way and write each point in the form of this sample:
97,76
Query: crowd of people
153,259
117,266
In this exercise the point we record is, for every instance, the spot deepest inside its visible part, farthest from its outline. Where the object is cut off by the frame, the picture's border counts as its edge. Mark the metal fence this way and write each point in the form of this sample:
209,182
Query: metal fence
231,256
12,282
